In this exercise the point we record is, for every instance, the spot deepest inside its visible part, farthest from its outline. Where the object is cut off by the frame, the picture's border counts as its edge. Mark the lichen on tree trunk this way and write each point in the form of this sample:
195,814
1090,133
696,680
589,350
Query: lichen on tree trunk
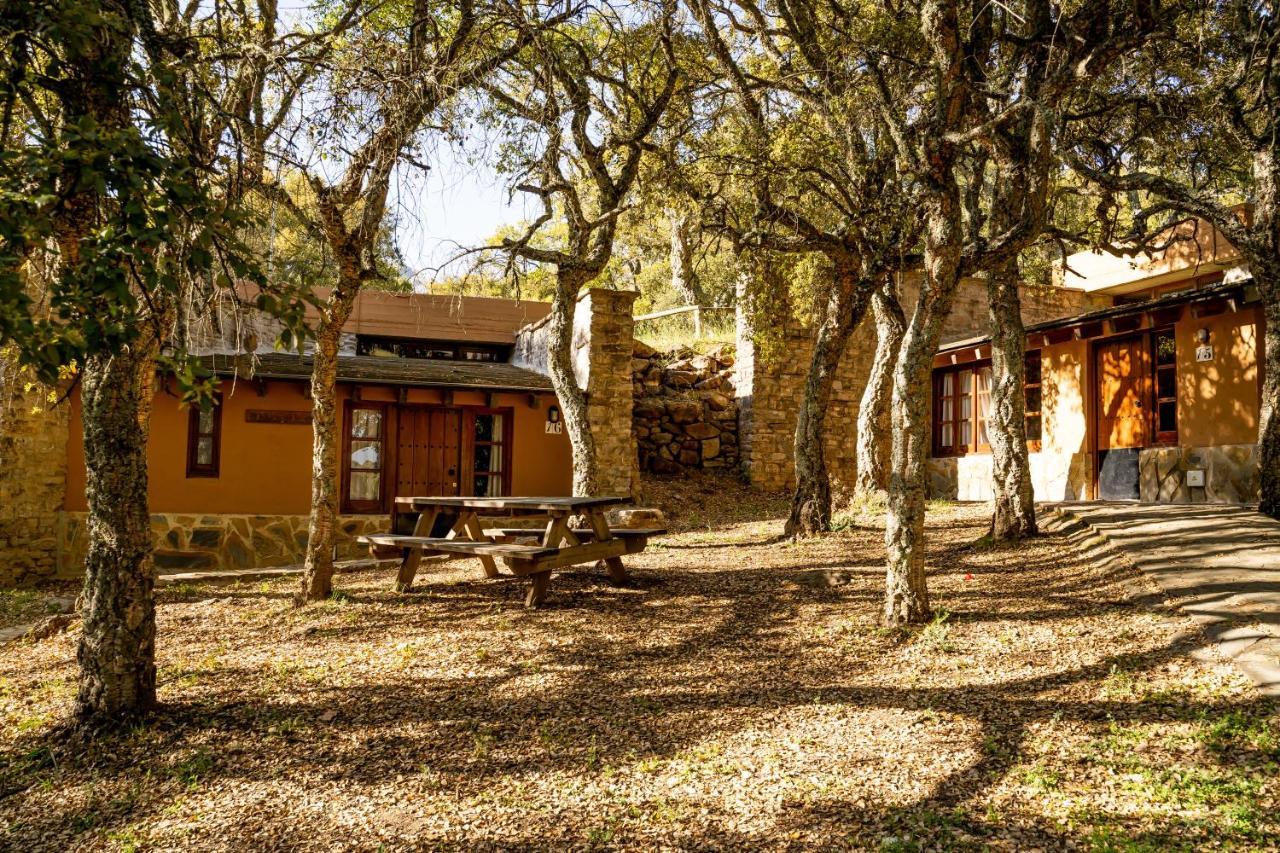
872,475
906,591
683,279
116,652
317,574
1013,514
1269,416
1263,255
573,400
845,305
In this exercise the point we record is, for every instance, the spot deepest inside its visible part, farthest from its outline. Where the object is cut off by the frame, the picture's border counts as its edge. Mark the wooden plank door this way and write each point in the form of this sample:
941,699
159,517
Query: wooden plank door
1123,394
429,457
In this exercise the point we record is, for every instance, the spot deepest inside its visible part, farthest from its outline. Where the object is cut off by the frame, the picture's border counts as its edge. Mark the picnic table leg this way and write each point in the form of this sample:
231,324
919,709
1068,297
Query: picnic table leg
408,568
558,531
617,571
413,556
537,594
469,524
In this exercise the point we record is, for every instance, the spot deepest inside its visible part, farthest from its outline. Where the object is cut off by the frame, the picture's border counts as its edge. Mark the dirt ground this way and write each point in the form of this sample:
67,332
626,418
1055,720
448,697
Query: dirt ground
740,695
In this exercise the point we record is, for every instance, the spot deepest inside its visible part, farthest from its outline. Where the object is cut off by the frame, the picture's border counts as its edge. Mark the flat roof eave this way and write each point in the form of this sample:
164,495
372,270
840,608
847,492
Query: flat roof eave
1239,289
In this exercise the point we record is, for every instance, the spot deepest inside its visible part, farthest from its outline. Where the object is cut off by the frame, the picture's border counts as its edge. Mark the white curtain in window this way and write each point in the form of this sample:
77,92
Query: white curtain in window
947,415
984,403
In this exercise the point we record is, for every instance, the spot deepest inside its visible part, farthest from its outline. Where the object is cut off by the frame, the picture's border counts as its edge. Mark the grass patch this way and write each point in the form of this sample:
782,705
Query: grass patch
936,636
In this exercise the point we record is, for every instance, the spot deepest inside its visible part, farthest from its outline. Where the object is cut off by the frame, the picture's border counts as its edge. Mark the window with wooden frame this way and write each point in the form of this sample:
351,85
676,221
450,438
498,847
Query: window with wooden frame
204,439
1165,358
962,406
1032,397
490,433
364,457
953,418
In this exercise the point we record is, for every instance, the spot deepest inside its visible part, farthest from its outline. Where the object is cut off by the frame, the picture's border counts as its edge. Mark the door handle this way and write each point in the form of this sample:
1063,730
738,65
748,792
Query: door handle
453,471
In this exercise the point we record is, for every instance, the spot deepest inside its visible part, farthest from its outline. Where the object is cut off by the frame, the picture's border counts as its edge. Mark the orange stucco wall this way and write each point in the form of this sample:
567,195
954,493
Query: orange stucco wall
1218,402
266,468
1218,399
1064,372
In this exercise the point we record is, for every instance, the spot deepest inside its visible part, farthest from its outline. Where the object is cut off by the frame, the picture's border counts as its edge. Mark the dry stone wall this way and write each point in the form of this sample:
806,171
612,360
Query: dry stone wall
684,413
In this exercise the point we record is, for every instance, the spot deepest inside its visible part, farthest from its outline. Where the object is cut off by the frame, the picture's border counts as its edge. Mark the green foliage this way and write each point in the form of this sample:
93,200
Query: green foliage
109,215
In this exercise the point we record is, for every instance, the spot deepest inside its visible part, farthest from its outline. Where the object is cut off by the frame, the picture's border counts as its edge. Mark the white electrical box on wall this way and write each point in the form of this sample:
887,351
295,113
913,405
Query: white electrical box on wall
1195,478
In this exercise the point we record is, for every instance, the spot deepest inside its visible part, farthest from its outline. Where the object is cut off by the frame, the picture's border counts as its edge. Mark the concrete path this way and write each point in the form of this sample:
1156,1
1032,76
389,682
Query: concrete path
1221,564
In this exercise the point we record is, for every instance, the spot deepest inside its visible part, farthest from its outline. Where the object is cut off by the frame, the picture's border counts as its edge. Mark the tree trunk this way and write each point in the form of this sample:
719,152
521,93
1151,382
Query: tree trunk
1013,515
116,651
873,413
811,502
117,646
906,591
1269,421
573,400
326,440
683,281
1265,266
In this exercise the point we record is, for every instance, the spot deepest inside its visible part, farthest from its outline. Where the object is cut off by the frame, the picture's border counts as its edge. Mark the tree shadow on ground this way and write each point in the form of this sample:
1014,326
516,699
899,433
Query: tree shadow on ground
708,652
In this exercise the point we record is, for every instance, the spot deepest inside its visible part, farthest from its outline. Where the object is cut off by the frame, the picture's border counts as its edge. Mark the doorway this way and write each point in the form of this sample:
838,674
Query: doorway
1123,372
428,451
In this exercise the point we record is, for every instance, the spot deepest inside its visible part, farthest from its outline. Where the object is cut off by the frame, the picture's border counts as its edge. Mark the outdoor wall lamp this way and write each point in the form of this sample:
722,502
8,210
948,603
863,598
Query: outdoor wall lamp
554,424
1202,334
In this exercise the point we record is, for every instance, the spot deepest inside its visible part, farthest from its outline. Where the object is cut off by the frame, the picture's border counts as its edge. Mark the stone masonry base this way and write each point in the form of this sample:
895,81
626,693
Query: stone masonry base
1230,475
189,542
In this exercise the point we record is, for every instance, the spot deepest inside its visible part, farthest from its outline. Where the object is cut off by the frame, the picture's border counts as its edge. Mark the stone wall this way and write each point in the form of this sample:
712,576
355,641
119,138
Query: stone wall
609,396
772,397
769,390
602,348
33,478
1231,474
205,543
684,414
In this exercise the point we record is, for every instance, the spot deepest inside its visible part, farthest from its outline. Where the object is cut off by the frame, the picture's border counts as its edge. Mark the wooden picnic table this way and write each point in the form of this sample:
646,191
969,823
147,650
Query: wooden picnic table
450,526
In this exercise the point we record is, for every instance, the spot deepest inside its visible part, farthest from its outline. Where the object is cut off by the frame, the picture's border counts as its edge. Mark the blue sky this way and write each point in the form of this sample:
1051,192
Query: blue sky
457,205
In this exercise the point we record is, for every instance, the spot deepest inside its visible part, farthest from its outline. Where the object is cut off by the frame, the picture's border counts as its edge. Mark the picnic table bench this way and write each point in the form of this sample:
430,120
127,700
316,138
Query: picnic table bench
450,526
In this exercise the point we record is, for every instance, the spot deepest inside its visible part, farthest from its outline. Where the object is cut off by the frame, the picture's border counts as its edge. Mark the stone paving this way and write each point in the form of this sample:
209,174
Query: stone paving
1221,564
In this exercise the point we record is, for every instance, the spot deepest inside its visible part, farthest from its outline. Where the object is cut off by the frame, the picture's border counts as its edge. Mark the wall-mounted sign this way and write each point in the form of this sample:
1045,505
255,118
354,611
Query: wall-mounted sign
555,426
277,416
1204,353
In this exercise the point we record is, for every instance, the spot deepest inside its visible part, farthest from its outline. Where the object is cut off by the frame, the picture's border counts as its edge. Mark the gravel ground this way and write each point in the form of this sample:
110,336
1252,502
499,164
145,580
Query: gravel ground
740,695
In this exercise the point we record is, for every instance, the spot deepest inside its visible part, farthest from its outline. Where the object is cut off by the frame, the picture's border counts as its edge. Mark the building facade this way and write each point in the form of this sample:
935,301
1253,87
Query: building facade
1144,378
437,395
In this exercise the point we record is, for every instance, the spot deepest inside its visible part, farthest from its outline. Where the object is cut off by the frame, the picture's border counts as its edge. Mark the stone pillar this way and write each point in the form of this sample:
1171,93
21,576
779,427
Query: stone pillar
33,478
609,345
603,335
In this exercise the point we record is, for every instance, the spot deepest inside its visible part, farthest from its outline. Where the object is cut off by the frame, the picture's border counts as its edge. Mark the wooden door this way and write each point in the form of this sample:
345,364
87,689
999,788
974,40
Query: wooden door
1123,377
429,457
